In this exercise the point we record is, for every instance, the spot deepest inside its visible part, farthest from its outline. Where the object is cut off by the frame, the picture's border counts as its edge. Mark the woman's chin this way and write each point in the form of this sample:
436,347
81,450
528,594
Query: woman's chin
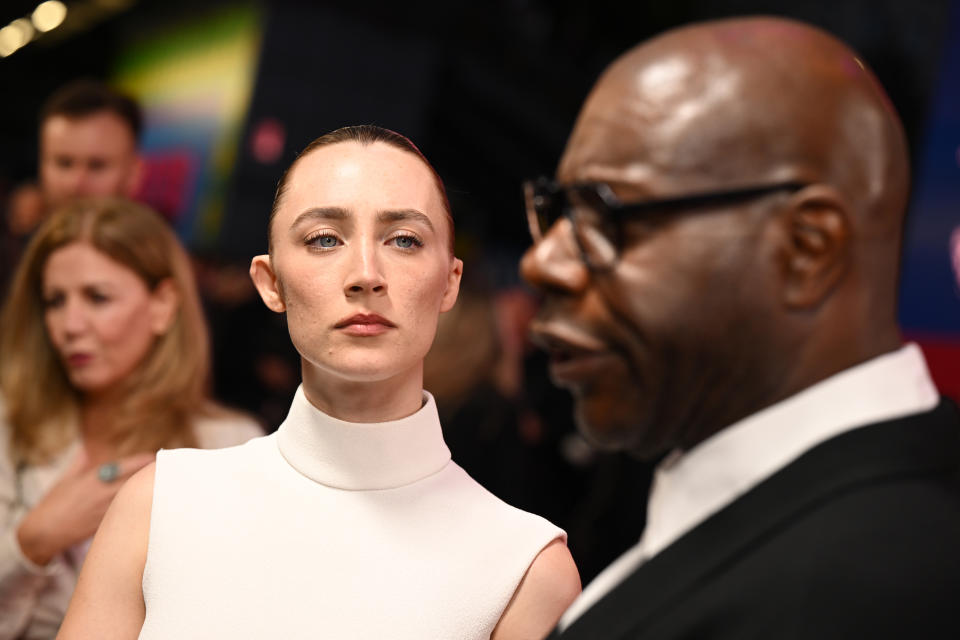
366,371
90,385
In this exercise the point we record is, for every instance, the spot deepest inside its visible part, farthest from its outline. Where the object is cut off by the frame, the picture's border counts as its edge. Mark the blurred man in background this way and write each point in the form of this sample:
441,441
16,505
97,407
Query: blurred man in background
719,258
88,143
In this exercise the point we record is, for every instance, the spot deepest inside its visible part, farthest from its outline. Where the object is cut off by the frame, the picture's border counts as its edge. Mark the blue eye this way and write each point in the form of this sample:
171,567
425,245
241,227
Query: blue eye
406,242
323,240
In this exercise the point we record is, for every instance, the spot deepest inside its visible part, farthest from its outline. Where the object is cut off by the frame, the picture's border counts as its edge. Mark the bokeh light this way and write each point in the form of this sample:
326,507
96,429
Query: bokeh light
15,35
49,15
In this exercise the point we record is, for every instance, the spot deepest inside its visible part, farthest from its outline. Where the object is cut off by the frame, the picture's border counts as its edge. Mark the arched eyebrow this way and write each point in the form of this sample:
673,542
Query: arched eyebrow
321,213
386,216
400,215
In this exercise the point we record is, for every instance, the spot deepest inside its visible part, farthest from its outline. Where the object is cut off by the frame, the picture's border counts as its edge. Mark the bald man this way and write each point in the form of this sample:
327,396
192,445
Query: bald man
718,256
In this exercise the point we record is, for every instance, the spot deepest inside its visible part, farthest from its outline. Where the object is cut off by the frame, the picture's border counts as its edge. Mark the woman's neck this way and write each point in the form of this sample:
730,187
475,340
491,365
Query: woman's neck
96,424
364,401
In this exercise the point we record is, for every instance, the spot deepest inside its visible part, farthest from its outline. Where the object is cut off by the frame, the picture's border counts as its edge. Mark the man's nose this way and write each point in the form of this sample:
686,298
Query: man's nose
365,273
553,263
72,179
85,184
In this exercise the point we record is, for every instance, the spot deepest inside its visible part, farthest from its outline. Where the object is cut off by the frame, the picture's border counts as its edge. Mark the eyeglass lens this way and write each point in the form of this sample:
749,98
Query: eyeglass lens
594,230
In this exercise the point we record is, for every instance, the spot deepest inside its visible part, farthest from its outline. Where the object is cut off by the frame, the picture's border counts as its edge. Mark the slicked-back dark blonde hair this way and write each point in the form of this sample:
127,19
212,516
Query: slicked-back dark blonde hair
364,135
166,391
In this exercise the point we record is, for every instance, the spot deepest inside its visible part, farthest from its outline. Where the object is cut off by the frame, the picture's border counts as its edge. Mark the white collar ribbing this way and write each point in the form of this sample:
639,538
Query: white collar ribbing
362,456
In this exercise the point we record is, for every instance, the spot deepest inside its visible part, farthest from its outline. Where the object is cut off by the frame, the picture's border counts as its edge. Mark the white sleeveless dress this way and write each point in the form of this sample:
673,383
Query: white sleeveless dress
329,529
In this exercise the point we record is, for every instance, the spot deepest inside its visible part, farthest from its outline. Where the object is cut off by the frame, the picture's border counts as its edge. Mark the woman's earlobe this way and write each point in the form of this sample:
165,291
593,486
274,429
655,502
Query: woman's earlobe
267,284
453,286
164,306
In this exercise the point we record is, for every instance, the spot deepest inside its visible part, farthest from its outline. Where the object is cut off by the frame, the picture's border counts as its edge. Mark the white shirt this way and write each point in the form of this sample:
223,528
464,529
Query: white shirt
689,487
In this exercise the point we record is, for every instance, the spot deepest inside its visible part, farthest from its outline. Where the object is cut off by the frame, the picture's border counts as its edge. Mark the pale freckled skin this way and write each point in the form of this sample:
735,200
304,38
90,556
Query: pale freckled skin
365,272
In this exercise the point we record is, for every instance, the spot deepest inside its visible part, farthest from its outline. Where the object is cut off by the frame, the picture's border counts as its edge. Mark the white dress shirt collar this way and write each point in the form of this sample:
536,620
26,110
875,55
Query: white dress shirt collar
689,487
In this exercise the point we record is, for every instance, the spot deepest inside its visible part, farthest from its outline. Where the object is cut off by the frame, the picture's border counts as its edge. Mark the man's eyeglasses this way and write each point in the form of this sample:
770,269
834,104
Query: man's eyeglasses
595,213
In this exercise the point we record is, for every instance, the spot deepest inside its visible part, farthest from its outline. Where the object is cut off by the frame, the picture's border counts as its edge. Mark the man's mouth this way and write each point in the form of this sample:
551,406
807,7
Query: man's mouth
575,357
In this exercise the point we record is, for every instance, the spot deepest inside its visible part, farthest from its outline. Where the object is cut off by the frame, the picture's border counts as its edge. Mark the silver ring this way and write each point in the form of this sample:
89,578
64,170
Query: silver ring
108,471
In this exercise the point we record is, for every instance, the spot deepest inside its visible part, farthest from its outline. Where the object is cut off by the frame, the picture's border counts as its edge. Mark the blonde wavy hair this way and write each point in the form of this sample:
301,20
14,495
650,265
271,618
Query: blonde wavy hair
167,390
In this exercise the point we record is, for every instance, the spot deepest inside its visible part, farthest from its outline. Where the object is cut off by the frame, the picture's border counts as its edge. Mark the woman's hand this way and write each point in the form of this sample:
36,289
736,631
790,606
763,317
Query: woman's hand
72,510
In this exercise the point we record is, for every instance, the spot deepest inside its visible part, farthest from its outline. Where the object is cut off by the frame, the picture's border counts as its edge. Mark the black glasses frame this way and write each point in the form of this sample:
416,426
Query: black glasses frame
546,202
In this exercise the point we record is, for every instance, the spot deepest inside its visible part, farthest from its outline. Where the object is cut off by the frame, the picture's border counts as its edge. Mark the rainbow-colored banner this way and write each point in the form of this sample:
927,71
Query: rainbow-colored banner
194,80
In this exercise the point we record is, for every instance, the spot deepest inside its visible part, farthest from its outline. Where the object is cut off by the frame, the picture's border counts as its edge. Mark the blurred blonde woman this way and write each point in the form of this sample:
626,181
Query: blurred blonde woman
351,521
103,360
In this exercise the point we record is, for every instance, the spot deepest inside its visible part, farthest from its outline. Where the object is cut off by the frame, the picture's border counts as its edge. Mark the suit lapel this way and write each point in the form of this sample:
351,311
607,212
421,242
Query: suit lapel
919,444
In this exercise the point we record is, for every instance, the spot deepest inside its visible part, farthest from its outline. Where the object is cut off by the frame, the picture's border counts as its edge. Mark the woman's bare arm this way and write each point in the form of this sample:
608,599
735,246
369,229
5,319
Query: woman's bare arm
551,584
108,601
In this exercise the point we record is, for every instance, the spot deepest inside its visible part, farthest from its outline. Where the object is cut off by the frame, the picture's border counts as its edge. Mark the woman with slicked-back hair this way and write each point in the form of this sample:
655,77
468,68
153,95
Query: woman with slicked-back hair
103,360
351,521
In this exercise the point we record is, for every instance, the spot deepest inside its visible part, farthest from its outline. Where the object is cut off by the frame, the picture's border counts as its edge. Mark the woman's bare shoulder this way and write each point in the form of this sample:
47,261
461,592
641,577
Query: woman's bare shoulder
108,600
137,492
551,584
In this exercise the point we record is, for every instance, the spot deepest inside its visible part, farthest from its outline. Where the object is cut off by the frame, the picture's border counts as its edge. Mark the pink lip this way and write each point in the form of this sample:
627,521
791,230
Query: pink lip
75,360
364,325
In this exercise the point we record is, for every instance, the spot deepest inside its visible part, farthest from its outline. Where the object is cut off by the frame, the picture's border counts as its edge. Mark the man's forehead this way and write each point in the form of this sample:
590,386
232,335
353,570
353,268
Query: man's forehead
616,139
102,128
597,158
672,113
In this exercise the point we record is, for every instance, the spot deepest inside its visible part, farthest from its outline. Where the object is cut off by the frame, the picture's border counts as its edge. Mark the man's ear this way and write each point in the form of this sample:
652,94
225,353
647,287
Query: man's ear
267,284
453,285
164,304
135,177
816,248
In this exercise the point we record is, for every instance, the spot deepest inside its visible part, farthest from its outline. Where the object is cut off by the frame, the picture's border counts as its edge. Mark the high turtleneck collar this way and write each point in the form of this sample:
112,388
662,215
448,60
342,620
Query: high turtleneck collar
362,456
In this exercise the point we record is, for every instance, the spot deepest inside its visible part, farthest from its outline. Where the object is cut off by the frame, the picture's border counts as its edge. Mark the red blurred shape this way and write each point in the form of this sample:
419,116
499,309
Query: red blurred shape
166,182
943,359
267,140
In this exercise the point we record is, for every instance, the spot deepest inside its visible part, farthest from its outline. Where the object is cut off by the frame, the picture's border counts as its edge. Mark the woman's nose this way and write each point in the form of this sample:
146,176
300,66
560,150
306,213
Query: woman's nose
366,270
73,317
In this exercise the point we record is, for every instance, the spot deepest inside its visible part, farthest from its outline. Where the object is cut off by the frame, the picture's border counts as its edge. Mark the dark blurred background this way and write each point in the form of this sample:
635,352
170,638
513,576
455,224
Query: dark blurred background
489,91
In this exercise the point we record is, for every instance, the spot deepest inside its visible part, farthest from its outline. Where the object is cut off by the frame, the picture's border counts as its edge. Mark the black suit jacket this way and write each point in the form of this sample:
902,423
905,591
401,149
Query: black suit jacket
857,538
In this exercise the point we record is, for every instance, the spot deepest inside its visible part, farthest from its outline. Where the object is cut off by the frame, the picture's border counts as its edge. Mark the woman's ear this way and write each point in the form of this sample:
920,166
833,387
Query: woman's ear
816,251
453,285
267,283
164,304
